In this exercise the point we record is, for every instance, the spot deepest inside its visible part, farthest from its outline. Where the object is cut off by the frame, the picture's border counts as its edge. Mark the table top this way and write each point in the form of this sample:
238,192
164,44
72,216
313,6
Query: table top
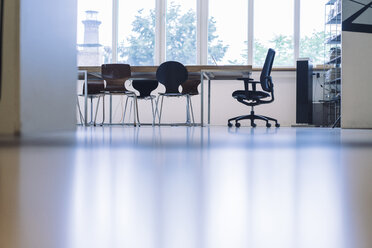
215,72
190,68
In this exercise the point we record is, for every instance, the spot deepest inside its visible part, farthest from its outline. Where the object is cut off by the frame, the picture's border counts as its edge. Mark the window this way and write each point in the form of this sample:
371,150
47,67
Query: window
136,32
94,36
181,31
228,32
312,30
273,28
144,35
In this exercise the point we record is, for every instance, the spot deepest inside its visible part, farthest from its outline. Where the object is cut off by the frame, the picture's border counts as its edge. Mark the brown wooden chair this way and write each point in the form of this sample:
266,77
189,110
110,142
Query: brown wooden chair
190,88
95,87
115,76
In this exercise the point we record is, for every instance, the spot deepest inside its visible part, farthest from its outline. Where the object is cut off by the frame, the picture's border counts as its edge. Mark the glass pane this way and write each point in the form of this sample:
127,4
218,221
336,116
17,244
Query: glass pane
312,30
94,34
228,32
273,28
136,32
181,31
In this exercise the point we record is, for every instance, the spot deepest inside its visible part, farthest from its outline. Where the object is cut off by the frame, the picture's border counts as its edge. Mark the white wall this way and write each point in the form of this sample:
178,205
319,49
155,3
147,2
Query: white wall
356,101
223,106
48,65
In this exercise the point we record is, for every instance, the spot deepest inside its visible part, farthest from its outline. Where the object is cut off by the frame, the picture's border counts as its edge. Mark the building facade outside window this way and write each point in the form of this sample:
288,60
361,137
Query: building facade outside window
94,36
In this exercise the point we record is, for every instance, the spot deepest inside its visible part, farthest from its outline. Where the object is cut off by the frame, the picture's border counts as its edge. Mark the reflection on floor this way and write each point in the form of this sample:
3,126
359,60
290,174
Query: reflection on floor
187,187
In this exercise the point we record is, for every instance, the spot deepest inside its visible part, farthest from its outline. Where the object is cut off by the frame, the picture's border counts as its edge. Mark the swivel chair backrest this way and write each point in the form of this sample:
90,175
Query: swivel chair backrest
115,76
265,79
145,87
171,74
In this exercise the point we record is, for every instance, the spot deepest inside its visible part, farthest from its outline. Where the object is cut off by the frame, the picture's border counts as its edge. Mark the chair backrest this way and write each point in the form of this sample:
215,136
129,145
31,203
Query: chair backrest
145,87
265,79
95,84
94,87
190,87
171,74
115,76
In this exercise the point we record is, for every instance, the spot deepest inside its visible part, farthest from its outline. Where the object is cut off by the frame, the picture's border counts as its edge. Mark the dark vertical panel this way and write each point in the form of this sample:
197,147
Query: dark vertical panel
1,41
304,92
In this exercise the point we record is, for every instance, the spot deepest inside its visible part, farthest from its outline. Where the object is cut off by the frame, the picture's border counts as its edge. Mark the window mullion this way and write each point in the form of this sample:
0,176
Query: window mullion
250,31
115,15
202,31
296,31
160,41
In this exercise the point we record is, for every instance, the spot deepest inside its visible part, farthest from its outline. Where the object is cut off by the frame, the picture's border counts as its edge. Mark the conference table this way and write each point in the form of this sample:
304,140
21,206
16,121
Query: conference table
196,72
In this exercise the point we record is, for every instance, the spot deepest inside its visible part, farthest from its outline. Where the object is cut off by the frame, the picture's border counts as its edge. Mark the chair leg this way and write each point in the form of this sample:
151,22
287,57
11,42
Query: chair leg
103,110
153,112
192,112
161,108
91,110
130,110
125,110
80,114
95,117
157,107
132,103
136,108
187,110
269,118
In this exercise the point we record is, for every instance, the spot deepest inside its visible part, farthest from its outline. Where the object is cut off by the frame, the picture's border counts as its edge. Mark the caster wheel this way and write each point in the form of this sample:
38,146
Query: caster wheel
237,124
277,125
254,125
229,124
268,125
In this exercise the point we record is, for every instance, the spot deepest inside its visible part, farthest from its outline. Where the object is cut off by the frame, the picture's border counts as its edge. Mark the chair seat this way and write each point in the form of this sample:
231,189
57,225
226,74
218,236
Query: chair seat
91,95
172,94
144,97
109,91
252,95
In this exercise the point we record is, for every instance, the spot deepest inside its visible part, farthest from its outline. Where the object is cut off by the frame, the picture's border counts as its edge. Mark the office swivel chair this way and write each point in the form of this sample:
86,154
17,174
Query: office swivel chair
172,74
144,87
253,97
115,76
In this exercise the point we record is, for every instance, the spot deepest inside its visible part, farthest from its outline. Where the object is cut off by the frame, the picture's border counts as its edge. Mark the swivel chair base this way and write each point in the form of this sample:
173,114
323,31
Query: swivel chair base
252,117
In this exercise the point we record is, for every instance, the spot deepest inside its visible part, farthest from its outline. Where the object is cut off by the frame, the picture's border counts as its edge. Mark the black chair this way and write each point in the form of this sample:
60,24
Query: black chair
172,74
144,87
253,97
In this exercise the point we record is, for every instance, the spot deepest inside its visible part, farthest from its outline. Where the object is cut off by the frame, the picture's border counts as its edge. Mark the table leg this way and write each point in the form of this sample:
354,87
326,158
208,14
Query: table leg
86,98
201,99
110,109
209,101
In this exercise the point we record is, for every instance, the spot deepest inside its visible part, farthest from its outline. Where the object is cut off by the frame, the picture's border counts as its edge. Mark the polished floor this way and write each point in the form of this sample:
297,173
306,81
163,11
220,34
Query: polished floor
187,187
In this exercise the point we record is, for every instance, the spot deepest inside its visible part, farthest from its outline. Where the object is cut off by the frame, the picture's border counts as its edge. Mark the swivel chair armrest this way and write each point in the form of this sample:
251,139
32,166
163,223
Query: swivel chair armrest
249,81
245,78
270,82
